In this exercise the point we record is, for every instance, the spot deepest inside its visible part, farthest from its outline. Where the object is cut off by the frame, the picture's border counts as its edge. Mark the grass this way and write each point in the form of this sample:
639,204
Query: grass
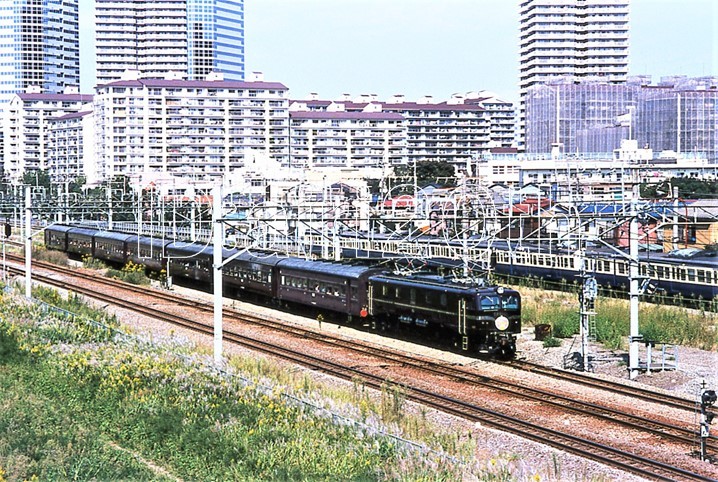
79,403
660,323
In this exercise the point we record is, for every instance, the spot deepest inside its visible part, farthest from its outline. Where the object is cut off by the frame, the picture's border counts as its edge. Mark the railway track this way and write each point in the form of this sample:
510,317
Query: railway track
669,431
585,448
615,387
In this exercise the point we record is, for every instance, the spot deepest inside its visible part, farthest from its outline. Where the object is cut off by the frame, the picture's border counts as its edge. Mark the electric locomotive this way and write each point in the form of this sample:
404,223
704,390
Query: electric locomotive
483,319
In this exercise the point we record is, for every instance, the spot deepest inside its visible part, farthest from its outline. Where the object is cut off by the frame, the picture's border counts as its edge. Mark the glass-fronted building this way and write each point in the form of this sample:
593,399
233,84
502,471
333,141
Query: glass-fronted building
188,39
39,46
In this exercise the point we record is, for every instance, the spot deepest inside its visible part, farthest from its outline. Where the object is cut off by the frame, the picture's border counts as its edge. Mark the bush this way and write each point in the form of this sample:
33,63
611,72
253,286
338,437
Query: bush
130,273
551,342
565,324
55,257
9,347
92,263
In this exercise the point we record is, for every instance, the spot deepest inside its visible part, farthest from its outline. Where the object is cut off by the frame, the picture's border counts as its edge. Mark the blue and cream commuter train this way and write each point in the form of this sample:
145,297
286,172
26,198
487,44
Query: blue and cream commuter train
691,274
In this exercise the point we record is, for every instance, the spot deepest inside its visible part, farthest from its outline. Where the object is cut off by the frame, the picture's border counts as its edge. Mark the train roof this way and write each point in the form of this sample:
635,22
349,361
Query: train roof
688,257
60,228
324,267
189,248
154,242
437,281
82,231
117,236
269,259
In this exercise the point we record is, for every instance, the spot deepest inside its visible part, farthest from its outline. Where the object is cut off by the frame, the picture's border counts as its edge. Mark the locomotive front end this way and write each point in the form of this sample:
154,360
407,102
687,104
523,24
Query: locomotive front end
499,312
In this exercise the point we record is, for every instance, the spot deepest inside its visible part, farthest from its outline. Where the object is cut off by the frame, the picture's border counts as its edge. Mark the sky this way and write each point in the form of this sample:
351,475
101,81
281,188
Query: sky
433,47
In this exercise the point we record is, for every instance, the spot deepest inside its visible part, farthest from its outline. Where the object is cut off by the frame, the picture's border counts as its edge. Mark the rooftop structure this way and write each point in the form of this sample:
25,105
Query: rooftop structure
597,177
186,38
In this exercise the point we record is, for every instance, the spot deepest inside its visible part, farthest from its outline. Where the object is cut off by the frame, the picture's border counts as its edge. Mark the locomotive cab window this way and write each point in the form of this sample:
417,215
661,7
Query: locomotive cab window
488,303
511,302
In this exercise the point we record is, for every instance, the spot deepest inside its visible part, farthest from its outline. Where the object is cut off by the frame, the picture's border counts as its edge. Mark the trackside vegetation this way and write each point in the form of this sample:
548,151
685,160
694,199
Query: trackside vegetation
82,401
659,323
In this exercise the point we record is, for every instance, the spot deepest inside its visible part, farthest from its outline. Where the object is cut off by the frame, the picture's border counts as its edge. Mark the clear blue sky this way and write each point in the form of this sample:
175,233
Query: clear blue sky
433,47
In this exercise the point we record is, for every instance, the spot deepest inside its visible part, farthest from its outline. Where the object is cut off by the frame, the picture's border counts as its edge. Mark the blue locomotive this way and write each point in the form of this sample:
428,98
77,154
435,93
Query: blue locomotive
480,319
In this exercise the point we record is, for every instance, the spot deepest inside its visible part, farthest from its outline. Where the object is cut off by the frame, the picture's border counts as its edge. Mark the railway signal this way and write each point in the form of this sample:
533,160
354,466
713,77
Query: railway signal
708,399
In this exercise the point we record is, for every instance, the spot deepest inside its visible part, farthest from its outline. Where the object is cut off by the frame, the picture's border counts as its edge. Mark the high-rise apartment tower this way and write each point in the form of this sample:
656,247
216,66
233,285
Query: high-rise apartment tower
157,38
578,38
39,46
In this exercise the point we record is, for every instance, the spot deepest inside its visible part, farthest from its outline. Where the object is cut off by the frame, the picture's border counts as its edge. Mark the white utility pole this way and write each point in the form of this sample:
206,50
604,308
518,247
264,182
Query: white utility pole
634,337
675,238
218,245
109,210
28,243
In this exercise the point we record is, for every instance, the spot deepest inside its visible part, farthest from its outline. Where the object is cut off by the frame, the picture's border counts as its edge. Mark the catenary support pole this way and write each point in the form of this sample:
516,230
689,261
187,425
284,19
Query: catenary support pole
28,243
217,271
634,335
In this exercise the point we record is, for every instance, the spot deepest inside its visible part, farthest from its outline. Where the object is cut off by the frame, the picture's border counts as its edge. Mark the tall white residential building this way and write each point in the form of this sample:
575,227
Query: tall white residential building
190,38
39,46
501,116
578,38
200,130
455,131
27,125
71,150
344,139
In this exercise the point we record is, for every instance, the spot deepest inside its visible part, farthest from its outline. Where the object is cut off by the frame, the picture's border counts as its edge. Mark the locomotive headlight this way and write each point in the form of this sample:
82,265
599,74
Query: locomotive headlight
501,323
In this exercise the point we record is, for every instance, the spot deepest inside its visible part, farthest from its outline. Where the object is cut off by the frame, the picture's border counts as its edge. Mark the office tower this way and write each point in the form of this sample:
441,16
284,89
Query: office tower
187,39
579,38
39,46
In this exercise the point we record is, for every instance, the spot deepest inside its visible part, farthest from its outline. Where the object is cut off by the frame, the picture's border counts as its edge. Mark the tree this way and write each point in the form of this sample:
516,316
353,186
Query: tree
77,185
427,172
37,177
688,188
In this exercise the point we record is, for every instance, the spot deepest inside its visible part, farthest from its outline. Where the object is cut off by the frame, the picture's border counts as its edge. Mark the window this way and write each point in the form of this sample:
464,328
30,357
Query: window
511,302
489,303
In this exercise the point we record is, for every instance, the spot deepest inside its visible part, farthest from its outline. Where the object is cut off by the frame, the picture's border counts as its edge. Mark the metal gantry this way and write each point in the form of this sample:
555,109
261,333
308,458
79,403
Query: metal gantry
461,226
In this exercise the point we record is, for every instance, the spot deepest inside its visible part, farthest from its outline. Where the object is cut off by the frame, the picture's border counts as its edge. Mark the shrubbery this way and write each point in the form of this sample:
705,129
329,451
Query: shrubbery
660,323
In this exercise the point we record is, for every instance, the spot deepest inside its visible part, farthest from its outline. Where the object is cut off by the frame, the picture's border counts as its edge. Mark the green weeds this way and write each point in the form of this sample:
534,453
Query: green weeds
79,407
660,323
